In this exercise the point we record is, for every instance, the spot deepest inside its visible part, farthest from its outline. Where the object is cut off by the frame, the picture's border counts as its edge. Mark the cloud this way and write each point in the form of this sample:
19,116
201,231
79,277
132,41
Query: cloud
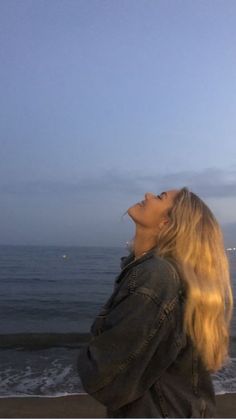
209,183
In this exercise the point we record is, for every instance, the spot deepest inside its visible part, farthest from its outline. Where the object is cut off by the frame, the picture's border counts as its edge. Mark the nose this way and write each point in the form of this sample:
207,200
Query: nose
149,195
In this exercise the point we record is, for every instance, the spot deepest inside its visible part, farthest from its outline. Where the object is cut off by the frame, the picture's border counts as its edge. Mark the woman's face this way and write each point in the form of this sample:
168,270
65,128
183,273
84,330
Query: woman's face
152,211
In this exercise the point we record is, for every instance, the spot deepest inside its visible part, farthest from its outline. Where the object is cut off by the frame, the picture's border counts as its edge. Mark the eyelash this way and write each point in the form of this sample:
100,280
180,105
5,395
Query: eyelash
158,196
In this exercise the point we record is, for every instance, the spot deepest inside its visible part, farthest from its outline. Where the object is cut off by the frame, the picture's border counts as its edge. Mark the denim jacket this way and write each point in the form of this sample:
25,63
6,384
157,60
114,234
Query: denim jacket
139,362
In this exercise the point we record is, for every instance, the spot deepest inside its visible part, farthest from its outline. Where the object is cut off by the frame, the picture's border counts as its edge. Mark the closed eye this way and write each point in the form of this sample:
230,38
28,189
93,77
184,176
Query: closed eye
162,194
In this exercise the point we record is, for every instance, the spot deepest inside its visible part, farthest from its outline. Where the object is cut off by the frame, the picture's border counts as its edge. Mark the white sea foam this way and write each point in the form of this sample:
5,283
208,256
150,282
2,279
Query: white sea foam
52,373
43,396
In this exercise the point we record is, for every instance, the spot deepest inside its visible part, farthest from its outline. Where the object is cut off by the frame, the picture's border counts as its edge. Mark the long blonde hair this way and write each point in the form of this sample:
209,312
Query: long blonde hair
193,240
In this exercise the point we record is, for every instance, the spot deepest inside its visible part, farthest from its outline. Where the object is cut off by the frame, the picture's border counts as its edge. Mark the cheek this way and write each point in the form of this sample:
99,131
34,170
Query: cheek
156,215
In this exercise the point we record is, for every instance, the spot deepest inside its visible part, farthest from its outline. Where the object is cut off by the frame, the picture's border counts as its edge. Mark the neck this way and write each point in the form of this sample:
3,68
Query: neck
143,242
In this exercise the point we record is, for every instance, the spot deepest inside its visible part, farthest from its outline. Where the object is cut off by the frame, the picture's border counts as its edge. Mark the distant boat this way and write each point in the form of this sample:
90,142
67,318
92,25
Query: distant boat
64,256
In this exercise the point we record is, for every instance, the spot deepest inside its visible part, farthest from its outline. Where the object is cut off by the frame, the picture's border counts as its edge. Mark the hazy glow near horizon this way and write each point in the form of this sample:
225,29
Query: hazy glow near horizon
102,101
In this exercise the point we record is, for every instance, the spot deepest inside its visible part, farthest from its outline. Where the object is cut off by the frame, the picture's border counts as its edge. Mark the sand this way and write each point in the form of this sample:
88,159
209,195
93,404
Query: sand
82,406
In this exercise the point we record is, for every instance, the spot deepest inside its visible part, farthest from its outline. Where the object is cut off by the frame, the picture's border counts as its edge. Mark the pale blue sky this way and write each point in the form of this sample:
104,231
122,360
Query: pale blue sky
102,101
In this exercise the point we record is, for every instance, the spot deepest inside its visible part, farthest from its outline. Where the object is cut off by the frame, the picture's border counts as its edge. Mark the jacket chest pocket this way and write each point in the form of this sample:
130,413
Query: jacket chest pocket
99,324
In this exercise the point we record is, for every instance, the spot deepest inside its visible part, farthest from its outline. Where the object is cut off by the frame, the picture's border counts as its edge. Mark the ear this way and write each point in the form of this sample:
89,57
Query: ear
163,223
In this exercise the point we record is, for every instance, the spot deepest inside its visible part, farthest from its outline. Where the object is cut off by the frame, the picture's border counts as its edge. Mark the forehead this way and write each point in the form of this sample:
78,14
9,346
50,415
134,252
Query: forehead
171,194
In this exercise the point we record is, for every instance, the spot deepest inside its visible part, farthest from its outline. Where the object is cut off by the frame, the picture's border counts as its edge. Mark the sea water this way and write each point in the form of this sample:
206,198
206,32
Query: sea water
49,297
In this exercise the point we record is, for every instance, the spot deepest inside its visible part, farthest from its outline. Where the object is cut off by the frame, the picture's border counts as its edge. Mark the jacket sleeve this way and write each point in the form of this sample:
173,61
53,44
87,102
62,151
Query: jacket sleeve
116,366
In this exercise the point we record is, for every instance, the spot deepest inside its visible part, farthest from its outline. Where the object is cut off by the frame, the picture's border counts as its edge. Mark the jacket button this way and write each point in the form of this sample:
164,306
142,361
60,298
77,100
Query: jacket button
178,341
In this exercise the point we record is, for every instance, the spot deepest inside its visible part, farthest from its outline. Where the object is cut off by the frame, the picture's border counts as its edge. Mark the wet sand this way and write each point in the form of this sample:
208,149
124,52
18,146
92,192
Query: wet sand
82,406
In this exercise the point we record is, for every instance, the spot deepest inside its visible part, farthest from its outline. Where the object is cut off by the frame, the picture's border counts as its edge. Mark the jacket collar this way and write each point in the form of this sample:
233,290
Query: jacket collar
128,261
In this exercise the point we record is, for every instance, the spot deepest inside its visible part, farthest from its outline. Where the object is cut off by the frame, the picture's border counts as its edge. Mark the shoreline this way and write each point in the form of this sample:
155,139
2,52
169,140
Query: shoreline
17,396
82,406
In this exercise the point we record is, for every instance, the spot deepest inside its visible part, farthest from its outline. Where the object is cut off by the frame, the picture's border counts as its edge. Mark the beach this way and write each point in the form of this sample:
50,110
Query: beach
82,406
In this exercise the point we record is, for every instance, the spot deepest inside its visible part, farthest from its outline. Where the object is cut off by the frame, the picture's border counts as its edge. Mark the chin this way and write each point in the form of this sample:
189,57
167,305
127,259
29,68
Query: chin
130,211
133,210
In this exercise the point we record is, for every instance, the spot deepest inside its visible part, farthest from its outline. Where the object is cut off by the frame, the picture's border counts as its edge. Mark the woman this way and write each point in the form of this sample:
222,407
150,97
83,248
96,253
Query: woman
166,326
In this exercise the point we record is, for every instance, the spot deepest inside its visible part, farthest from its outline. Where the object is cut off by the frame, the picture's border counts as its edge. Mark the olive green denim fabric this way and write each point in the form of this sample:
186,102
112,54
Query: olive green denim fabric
139,362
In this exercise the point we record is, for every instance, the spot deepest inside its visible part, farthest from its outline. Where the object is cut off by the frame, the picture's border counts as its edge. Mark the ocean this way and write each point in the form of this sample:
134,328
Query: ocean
49,297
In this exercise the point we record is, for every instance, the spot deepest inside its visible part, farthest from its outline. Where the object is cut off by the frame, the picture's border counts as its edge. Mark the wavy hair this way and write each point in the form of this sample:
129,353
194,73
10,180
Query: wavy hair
193,242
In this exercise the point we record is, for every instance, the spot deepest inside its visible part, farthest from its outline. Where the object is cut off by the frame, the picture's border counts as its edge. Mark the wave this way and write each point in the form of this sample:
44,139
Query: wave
22,279
66,394
43,340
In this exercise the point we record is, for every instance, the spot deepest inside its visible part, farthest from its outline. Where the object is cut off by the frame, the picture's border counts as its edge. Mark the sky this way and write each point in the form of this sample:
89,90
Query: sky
103,101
